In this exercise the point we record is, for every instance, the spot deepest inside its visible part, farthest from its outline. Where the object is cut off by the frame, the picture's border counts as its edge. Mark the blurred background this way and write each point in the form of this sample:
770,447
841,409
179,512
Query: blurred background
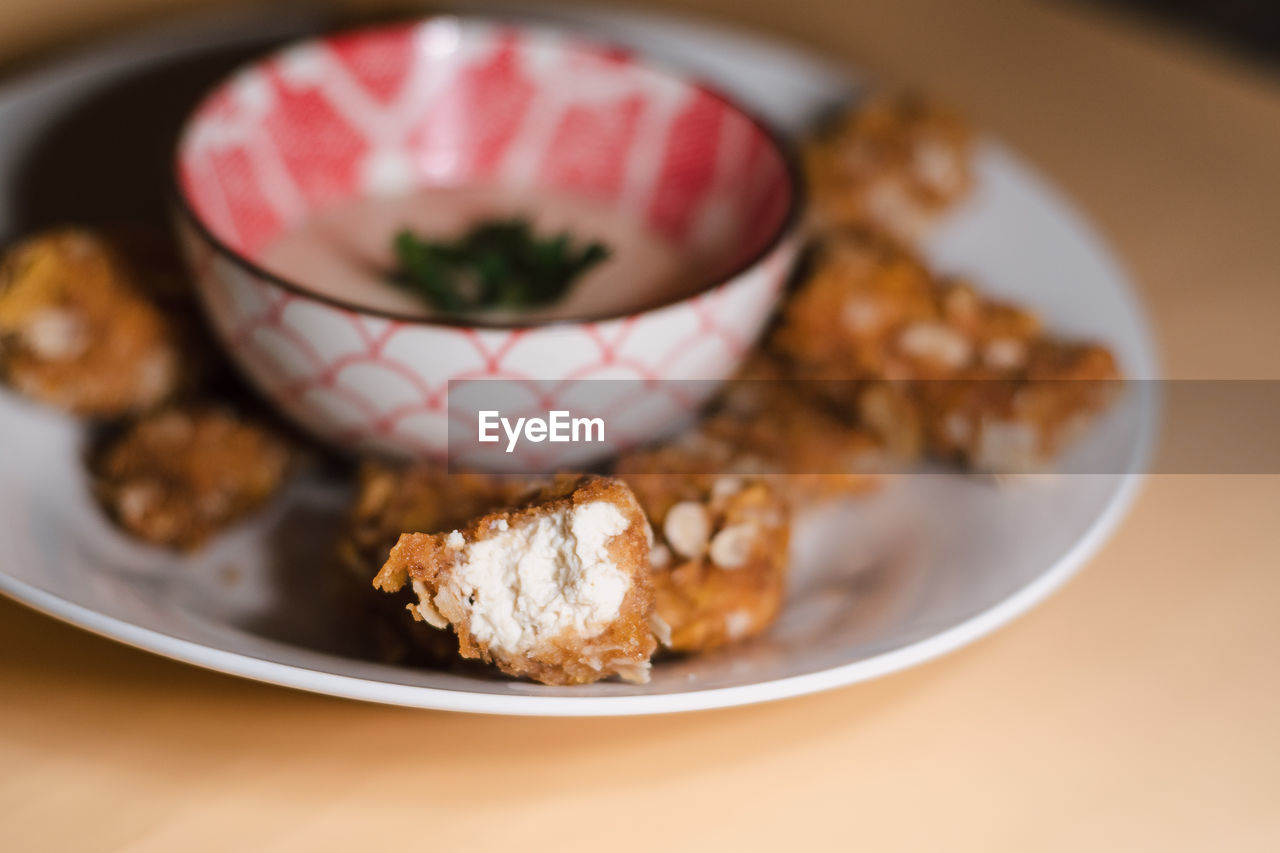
1248,28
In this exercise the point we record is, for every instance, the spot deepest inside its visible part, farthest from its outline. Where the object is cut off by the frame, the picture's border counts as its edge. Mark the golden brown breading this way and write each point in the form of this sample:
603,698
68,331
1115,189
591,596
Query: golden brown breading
975,379
868,309
1012,425
780,425
557,590
425,498
767,425
719,561
894,163
390,501
178,476
78,329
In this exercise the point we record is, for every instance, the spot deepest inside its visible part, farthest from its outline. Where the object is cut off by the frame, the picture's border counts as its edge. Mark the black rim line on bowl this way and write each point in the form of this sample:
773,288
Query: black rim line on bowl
781,144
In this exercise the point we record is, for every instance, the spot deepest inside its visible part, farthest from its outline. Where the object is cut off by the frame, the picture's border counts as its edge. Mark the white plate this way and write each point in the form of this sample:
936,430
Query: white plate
879,584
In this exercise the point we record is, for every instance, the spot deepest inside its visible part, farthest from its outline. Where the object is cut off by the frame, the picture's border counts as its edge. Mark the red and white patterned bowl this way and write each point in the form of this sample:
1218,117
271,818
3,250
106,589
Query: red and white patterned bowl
449,101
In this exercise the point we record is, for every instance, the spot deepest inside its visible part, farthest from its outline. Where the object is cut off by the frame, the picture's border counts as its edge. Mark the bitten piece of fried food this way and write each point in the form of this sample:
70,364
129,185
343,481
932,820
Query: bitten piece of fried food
894,163
392,500
557,590
79,331
719,560
178,476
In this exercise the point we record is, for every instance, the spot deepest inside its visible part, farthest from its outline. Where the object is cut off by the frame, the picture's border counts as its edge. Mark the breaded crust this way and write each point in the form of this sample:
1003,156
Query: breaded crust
594,623
78,329
719,562
424,498
932,361
766,425
178,476
894,163
396,499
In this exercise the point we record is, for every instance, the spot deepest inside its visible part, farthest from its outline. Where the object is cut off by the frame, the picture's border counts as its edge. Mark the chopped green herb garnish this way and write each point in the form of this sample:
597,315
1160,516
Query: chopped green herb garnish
500,264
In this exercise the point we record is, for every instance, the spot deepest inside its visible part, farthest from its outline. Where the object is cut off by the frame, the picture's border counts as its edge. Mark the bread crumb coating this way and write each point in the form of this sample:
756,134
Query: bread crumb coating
556,590
894,163
79,331
179,476
719,560
932,361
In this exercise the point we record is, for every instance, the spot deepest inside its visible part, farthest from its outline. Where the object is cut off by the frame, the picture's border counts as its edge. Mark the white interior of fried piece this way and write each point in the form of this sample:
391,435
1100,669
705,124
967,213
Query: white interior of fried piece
548,578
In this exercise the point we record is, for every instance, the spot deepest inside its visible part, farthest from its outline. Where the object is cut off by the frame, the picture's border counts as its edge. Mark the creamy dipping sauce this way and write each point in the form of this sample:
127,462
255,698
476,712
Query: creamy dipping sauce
345,251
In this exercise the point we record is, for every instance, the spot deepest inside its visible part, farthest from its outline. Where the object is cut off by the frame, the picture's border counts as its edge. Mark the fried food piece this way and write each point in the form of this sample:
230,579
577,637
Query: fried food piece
391,501
719,561
79,331
1015,425
765,424
870,309
178,476
781,425
975,380
557,590
415,499
807,459
894,163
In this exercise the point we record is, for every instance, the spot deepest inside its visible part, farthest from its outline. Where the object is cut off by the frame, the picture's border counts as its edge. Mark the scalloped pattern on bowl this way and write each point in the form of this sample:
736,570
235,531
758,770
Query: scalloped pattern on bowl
445,101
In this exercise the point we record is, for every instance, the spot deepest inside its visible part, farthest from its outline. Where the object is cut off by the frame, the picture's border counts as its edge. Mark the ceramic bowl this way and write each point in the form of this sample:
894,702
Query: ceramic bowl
453,101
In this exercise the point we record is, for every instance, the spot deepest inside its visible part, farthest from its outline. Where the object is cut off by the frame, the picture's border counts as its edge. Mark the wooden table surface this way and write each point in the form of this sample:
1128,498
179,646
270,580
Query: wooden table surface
1139,708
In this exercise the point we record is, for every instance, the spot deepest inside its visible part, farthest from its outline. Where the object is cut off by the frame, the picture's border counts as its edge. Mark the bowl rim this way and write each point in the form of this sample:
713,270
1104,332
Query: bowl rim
787,227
